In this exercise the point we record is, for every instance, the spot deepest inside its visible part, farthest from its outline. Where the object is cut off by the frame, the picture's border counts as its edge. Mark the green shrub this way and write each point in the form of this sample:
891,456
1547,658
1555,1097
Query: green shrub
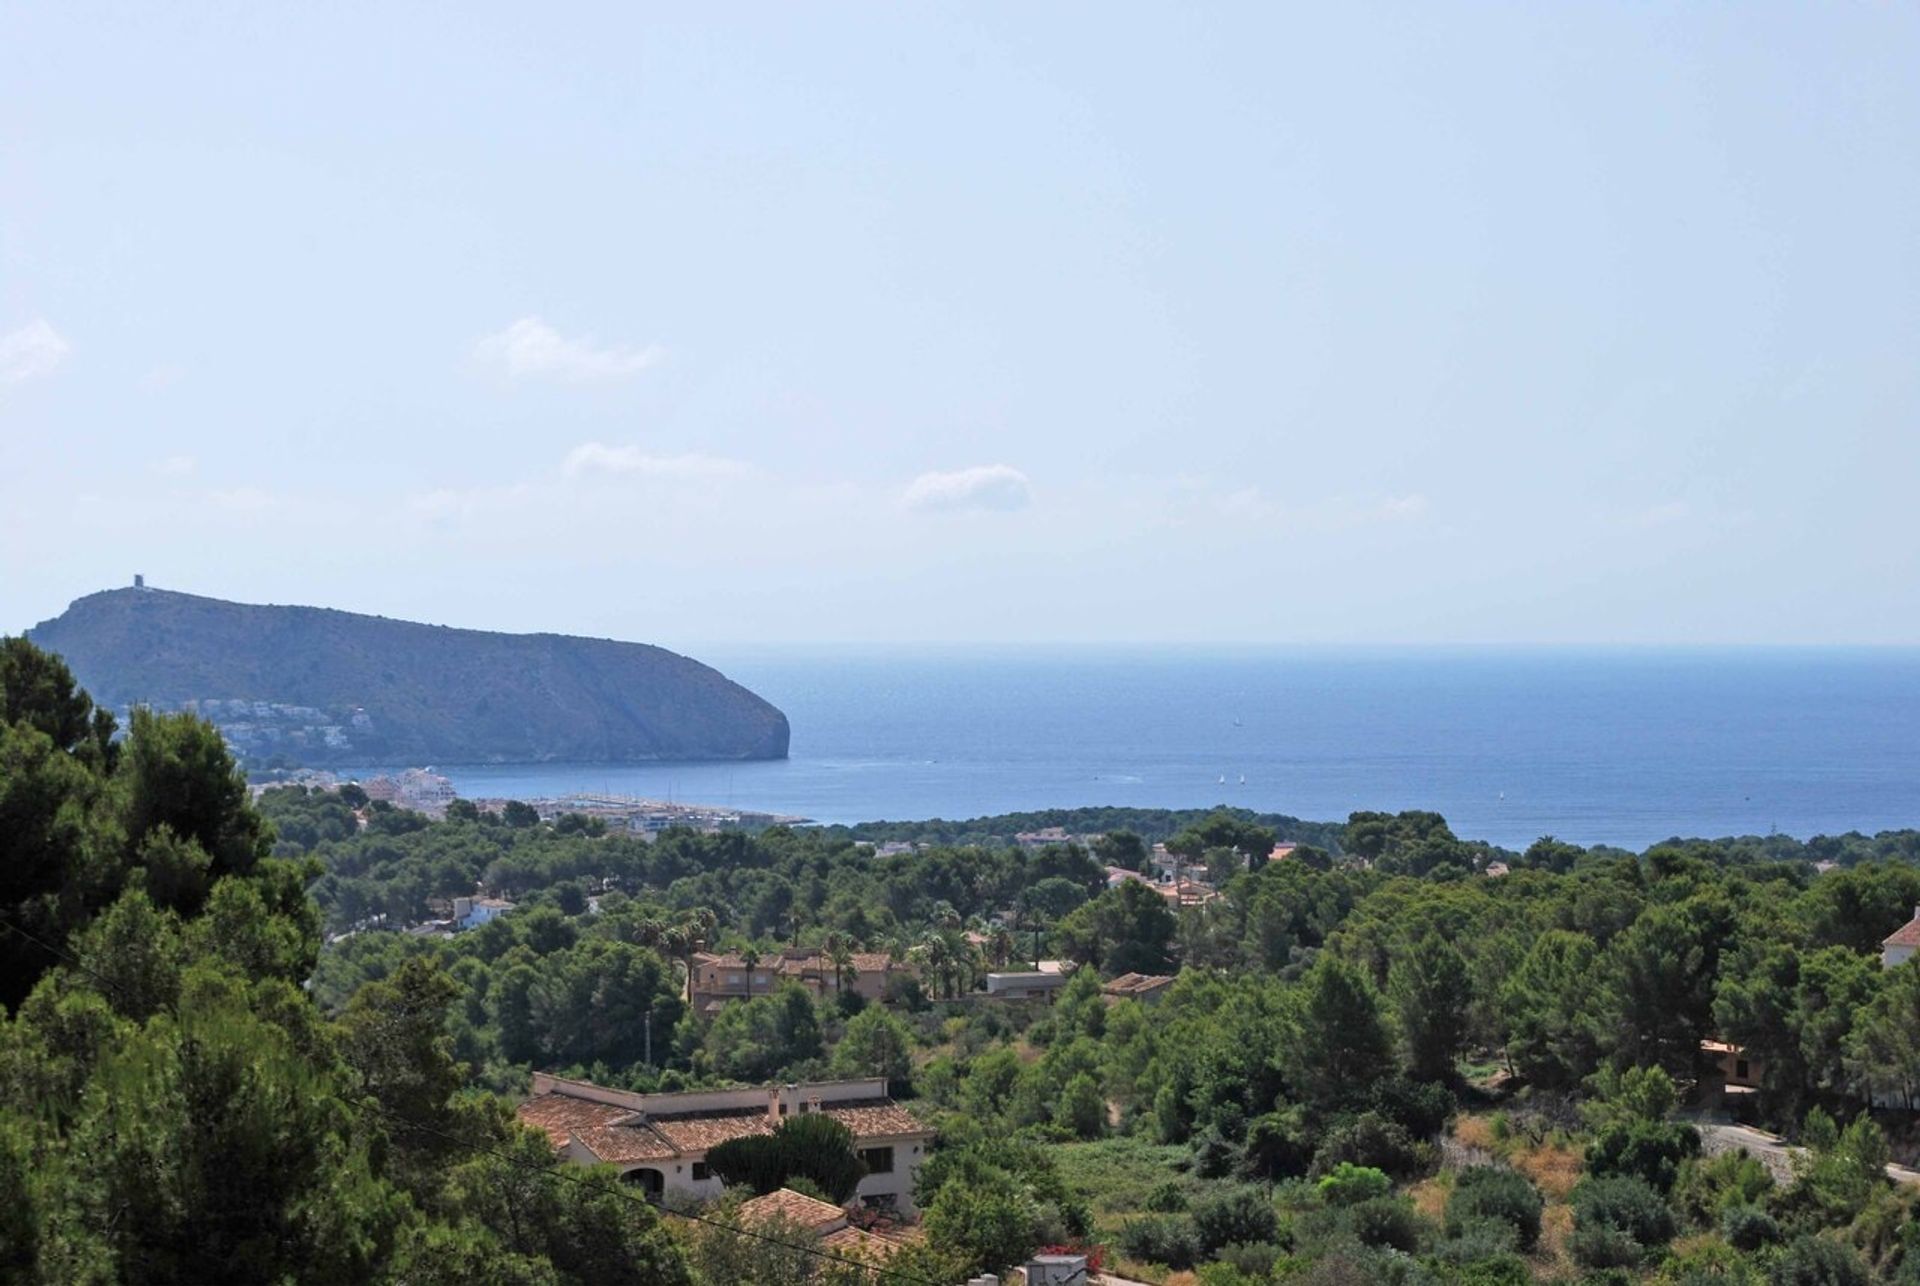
1387,1221
1748,1227
1649,1150
1167,1198
1372,1140
1351,1184
1422,1108
1255,1259
1493,1192
1242,1214
1616,1220
1605,1246
1474,1240
1816,1261
1707,1186
1161,1239
1279,1146
1500,1270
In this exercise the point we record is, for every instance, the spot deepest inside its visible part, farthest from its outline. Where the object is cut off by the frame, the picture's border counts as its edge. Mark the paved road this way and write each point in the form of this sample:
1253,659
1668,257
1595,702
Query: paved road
1772,1151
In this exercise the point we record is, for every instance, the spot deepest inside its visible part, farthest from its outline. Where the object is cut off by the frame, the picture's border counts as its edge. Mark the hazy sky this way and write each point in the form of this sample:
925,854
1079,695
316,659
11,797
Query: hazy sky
1572,322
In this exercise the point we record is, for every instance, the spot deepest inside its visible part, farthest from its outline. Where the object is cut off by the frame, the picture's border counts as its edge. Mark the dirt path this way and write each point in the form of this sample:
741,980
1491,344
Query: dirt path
1771,1150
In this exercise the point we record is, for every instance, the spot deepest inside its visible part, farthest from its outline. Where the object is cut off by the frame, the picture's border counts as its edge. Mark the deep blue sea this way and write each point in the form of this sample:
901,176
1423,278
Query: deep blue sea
1619,746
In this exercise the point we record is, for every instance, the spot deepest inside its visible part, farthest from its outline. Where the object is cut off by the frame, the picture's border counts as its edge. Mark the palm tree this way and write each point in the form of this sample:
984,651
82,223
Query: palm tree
1000,946
751,958
938,953
839,955
677,941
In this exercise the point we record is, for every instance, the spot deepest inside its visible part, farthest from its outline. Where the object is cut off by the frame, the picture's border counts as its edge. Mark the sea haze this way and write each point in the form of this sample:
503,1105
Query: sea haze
1622,746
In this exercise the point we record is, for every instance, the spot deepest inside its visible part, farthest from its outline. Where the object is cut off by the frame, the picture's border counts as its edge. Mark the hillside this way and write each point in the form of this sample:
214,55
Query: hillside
310,685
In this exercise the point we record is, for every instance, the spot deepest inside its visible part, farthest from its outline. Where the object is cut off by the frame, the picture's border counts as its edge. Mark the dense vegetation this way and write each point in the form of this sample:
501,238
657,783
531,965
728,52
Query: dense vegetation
173,1106
1378,1062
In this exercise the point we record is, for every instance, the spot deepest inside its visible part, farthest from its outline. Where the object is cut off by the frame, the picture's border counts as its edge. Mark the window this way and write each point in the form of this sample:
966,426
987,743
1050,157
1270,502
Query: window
1740,1070
877,1160
700,1172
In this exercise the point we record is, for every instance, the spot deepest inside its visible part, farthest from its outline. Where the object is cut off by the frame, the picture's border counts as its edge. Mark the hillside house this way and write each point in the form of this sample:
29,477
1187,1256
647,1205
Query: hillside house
718,979
471,913
1898,947
1034,984
659,1142
1143,987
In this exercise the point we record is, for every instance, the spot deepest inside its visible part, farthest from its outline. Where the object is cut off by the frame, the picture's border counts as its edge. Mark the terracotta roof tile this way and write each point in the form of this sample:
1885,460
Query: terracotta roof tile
875,1117
562,1115
698,1131
625,1144
860,1242
1137,984
1907,935
794,1207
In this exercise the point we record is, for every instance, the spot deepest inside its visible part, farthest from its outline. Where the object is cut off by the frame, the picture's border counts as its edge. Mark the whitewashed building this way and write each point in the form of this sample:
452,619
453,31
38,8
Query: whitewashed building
659,1142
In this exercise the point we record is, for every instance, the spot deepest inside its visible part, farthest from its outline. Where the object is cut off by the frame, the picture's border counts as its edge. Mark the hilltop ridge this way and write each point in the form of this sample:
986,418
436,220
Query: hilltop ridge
312,685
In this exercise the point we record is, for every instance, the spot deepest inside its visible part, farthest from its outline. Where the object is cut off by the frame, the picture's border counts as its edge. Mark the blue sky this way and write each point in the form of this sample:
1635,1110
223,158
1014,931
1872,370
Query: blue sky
1425,323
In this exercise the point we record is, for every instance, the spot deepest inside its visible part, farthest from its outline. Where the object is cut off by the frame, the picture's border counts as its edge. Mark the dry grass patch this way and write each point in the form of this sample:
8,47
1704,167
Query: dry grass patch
1430,1197
1477,1132
1554,1168
1550,1256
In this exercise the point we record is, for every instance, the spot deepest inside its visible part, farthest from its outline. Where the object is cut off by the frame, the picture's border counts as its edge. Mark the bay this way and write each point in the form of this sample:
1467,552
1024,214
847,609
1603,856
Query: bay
1624,746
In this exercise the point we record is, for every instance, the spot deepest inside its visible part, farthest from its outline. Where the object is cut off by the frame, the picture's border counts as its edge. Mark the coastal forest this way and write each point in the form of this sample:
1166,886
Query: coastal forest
1390,1054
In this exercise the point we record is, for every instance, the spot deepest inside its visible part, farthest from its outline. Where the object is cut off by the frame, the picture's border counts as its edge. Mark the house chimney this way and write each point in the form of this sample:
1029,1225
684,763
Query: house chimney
773,1105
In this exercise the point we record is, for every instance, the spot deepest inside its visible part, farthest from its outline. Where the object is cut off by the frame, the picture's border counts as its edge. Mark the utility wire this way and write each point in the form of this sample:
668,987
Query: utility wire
552,1172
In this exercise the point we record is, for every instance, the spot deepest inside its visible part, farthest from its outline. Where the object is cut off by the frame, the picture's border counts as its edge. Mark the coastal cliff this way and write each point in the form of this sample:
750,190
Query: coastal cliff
308,685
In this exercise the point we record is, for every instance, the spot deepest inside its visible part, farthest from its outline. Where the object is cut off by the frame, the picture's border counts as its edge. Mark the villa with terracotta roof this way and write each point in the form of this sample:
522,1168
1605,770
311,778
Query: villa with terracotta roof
1898,947
659,1142
718,979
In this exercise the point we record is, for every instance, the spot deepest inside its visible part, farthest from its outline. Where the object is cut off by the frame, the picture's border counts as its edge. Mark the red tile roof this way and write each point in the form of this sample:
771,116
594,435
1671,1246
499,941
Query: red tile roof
625,1144
562,1115
1907,935
795,1208
698,1131
872,1117
1137,984
623,1135
860,1242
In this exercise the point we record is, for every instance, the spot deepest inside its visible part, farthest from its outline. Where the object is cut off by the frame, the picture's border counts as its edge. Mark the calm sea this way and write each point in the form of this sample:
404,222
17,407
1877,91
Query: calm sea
1623,747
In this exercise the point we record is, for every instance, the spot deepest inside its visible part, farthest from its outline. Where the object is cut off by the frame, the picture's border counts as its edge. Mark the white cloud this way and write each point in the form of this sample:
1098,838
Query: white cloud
176,466
34,350
1247,502
1665,515
532,350
1402,508
243,500
989,486
598,457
